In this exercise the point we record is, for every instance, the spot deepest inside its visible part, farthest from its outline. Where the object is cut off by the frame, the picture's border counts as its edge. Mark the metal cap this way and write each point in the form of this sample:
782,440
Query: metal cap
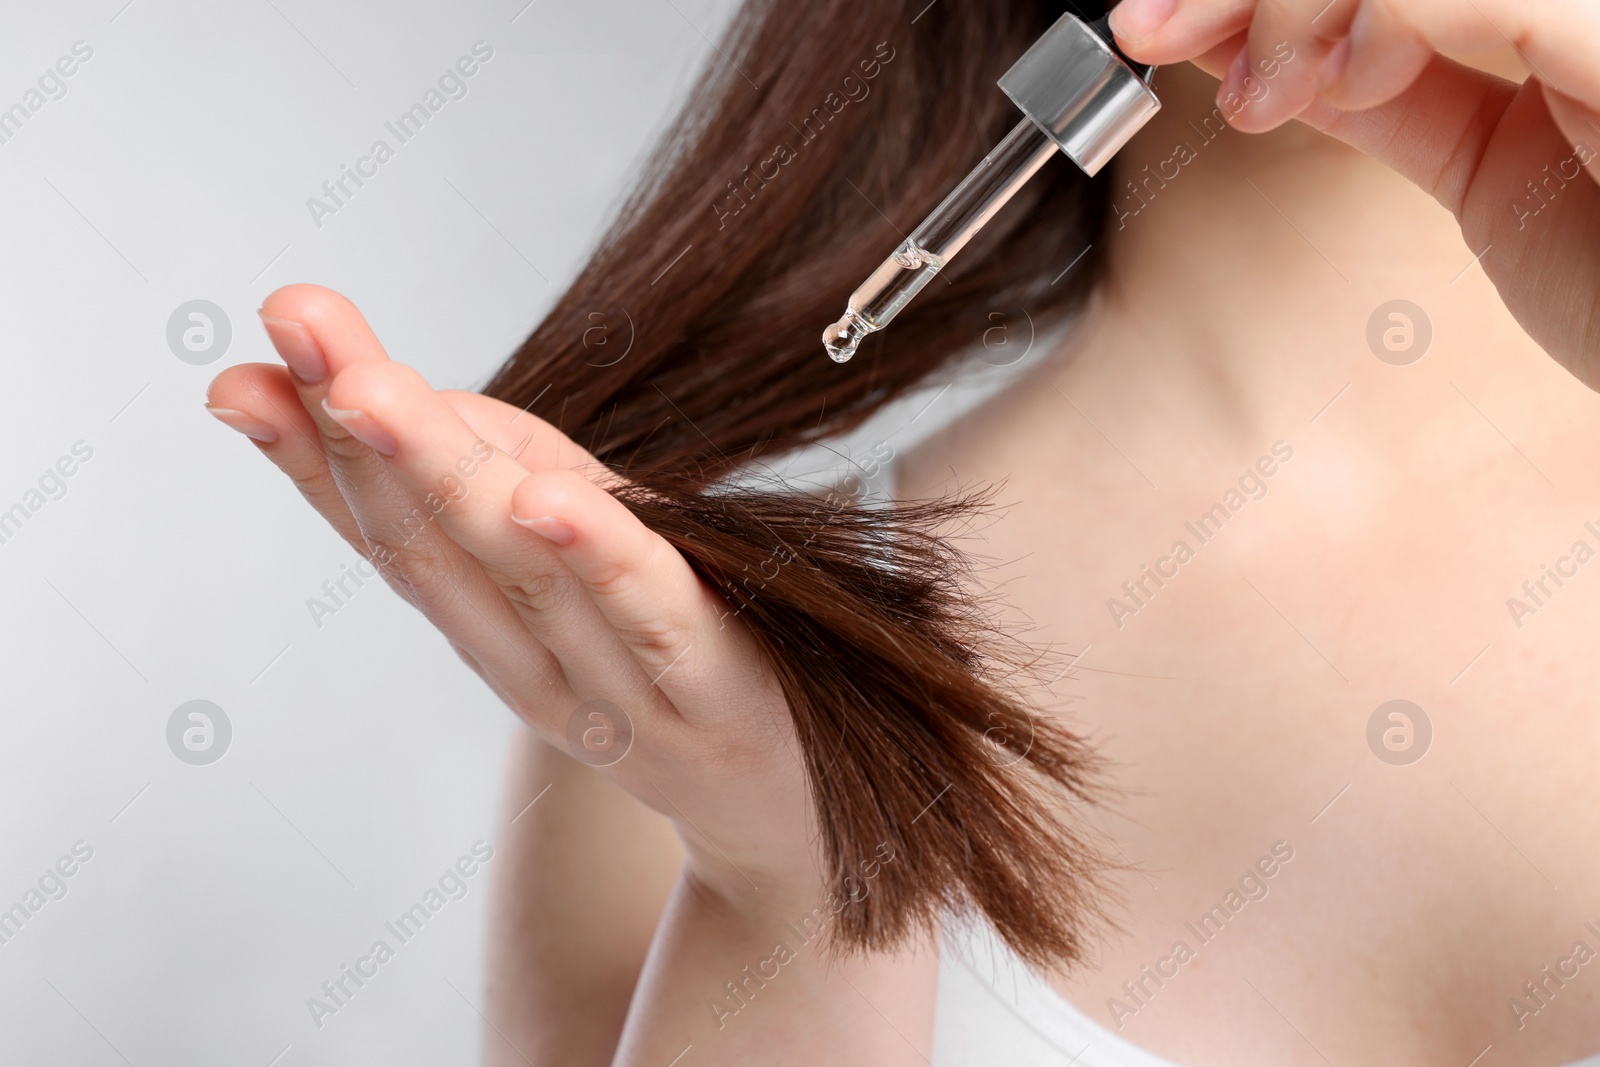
1080,91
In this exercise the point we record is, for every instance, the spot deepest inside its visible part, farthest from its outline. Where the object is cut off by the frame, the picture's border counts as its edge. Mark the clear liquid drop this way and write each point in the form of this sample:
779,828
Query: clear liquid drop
880,298
842,338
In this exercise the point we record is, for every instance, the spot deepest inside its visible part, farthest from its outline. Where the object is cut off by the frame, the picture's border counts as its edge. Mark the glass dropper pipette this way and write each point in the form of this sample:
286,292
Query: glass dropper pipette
942,234
1077,93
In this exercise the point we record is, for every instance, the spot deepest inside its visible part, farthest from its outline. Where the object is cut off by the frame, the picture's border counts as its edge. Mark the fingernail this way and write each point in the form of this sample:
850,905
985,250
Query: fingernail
245,423
363,428
548,527
297,347
1233,85
1134,20
1334,64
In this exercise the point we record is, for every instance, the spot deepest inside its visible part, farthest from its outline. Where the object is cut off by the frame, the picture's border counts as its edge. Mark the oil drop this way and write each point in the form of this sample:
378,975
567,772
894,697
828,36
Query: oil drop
879,298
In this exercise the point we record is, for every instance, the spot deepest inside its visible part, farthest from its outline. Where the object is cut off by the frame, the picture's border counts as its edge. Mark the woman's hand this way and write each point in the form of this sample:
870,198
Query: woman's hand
1517,166
498,529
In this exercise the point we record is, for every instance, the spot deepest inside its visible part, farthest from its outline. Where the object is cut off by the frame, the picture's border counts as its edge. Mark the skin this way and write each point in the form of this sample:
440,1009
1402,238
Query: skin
1377,566
1391,539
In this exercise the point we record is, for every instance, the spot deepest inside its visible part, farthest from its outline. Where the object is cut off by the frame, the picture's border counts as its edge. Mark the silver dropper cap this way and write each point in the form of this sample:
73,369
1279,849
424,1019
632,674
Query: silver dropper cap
1081,92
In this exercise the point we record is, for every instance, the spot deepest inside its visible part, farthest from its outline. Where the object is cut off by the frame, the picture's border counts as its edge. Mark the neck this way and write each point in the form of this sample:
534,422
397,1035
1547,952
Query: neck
1244,270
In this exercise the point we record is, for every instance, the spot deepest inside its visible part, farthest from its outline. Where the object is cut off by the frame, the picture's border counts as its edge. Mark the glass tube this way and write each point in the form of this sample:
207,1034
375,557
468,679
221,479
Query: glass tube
942,234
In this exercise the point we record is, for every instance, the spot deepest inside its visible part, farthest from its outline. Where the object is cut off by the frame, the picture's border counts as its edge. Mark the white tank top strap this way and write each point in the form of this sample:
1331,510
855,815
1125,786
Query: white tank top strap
994,1009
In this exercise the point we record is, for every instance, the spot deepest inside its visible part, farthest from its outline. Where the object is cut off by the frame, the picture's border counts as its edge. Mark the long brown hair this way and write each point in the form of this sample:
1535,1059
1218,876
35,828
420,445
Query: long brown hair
818,135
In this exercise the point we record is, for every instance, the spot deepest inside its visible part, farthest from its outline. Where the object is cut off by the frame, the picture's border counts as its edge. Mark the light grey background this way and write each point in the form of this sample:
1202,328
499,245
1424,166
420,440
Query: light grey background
365,758
178,564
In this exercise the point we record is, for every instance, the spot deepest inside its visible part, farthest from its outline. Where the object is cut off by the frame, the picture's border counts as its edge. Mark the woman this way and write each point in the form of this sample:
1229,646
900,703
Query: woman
1375,501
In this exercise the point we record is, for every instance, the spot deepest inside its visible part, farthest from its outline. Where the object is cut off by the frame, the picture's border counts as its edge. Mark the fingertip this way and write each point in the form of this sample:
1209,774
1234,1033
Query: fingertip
262,433
1137,26
306,303
1137,20
378,401
1247,103
1135,48
1164,32
554,493
1377,61
298,346
375,385
1334,64
225,388
556,530
317,331
1233,98
1263,89
260,401
255,387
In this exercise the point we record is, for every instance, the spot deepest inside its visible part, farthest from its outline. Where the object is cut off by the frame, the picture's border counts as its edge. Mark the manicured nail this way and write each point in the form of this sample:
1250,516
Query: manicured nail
363,428
1135,20
548,527
298,348
245,423
1334,64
